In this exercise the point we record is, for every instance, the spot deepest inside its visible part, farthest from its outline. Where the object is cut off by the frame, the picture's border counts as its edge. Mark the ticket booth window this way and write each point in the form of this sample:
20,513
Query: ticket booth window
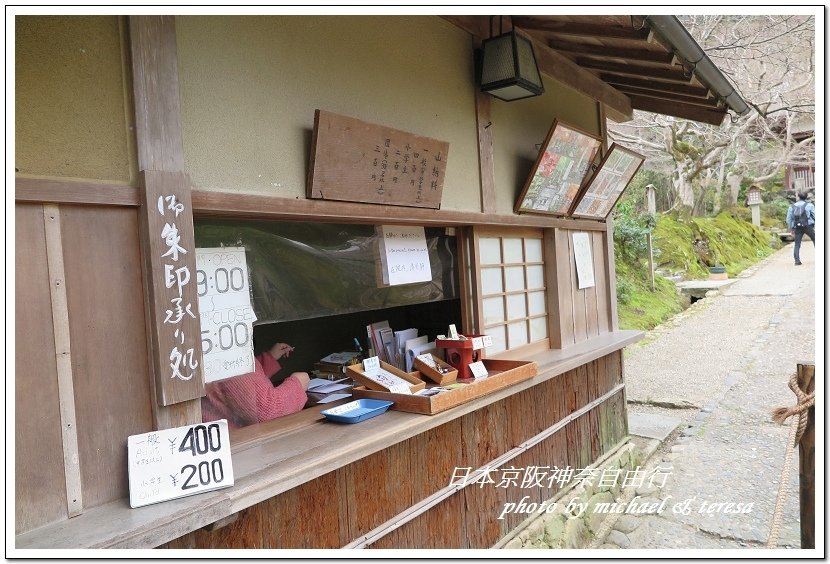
512,290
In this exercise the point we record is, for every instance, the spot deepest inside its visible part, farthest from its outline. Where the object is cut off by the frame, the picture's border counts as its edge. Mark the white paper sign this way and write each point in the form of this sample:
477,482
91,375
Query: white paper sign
478,343
487,340
478,369
393,383
371,365
225,312
173,463
584,262
404,255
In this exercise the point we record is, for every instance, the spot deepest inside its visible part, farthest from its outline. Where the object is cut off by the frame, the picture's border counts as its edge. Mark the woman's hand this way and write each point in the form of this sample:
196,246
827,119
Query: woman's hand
281,350
303,379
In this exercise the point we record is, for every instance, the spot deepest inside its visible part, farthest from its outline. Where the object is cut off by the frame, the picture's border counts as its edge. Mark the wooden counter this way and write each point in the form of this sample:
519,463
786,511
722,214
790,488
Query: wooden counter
282,454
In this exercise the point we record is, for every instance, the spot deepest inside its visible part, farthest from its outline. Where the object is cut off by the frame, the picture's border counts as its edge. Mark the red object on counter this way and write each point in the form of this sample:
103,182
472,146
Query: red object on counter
460,354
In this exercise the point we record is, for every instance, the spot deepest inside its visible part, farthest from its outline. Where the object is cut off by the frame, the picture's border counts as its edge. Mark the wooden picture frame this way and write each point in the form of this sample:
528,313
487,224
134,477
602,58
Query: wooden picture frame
560,169
601,193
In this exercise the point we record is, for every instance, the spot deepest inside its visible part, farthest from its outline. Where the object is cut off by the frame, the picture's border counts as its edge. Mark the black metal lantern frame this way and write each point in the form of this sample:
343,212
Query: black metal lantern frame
508,67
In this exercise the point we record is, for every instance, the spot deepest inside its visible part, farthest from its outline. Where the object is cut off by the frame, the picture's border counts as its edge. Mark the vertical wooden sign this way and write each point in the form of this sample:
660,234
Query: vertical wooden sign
169,255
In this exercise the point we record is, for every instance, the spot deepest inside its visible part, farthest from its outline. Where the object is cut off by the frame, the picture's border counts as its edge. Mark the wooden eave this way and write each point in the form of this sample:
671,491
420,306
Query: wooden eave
617,59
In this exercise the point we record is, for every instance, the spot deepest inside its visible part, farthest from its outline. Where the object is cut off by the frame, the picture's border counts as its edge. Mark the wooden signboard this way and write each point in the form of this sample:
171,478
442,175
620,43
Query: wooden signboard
356,161
560,169
170,293
600,194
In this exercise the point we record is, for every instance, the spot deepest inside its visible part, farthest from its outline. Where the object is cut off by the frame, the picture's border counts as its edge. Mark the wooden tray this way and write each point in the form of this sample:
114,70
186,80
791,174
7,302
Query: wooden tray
441,378
356,372
503,373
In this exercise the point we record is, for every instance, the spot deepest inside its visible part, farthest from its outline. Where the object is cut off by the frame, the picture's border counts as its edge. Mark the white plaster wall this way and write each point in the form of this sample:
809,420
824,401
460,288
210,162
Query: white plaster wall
250,85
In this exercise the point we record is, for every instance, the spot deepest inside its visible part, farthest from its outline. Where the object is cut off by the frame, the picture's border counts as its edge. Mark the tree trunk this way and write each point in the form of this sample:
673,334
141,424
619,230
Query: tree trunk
685,192
734,183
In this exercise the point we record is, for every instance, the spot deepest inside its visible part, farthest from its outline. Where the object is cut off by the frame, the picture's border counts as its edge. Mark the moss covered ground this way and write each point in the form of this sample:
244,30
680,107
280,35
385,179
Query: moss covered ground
685,246
690,245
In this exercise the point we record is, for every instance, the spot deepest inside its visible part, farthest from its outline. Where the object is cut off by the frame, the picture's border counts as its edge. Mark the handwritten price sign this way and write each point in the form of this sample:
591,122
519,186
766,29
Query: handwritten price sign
174,463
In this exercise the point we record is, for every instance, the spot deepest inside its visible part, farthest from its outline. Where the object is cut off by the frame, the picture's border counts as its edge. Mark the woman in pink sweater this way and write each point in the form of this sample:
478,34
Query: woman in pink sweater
252,398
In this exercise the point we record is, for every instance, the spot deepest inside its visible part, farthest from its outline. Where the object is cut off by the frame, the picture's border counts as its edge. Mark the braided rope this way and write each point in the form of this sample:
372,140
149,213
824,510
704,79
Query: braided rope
804,402
797,427
778,514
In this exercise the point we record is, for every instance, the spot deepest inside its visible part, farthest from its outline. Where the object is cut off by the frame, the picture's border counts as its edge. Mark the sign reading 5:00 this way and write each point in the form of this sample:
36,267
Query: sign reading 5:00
174,463
226,316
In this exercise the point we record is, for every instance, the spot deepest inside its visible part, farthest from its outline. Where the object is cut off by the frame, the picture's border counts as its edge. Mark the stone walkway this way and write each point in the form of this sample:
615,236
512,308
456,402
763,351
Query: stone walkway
722,366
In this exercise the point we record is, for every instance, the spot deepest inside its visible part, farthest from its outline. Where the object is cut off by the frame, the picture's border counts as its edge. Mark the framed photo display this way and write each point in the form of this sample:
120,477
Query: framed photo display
607,184
559,171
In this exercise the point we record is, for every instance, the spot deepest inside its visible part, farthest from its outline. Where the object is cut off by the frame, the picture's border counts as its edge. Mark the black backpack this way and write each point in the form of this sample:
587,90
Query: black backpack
800,216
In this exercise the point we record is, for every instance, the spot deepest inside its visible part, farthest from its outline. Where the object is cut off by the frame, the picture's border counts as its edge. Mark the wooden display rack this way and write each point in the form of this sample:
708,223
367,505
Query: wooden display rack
502,373
357,374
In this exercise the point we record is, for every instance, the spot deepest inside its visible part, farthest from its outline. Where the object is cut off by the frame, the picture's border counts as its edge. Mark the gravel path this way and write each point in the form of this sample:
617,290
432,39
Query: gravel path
724,365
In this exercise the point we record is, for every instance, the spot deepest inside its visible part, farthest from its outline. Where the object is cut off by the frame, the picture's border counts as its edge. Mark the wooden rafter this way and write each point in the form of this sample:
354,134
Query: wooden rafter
580,29
629,54
663,95
656,85
672,108
676,74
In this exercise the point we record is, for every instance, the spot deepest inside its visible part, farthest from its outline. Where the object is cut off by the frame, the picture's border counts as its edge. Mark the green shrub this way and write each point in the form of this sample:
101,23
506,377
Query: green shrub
630,234
774,212
624,290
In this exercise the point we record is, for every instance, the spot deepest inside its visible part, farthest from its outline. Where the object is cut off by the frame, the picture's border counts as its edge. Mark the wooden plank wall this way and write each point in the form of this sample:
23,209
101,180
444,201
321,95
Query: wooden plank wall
109,354
39,478
581,314
341,506
109,374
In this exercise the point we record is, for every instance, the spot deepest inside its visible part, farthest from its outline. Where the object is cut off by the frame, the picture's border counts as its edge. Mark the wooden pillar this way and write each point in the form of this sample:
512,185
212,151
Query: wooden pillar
807,461
611,287
484,125
167,241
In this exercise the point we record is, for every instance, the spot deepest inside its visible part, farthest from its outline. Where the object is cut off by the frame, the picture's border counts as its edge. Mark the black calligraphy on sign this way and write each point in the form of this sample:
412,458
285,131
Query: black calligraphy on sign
172,463
362,162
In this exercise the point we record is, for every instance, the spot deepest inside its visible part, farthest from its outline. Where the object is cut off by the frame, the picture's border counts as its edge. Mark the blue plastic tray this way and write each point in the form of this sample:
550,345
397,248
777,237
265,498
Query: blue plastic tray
356,411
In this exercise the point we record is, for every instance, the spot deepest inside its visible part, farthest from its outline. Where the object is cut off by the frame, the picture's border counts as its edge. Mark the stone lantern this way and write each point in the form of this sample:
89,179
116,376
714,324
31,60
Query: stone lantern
753,200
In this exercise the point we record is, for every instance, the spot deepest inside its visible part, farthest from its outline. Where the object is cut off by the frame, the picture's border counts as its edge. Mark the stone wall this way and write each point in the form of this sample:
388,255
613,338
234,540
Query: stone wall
568,527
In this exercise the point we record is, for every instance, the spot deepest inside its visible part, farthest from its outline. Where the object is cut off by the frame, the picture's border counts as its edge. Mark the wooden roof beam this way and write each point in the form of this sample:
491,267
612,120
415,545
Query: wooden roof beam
665,95
639,55
581,29
562,69
658,86
677,75
673,108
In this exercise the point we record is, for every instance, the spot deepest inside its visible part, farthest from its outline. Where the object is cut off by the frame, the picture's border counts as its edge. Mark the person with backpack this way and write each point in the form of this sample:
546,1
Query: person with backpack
801,219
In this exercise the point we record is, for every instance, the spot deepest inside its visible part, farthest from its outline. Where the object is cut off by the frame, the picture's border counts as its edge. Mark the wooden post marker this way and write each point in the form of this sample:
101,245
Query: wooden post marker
807,461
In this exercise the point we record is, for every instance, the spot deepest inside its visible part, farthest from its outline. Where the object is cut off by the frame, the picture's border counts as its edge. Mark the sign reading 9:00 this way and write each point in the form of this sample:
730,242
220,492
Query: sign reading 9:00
225,312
